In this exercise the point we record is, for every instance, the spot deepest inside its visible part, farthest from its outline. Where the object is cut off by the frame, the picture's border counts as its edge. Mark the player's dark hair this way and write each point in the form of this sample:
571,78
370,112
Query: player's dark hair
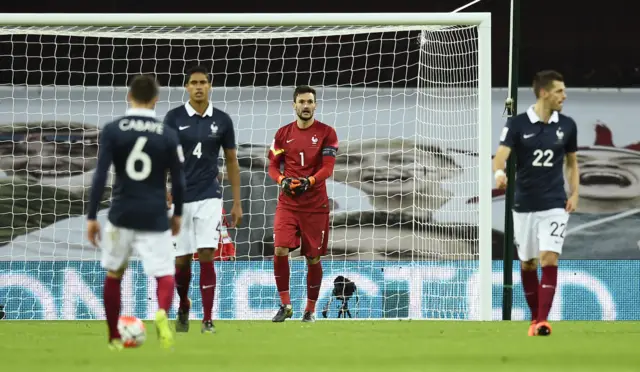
197,70
544,80
303,89
143,89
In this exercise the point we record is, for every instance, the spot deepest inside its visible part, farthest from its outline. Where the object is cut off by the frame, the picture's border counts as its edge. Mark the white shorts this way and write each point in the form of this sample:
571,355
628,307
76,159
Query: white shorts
539,231
154,249
200,226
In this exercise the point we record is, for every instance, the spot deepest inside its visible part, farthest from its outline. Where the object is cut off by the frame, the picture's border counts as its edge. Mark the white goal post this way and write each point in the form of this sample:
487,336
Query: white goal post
408,93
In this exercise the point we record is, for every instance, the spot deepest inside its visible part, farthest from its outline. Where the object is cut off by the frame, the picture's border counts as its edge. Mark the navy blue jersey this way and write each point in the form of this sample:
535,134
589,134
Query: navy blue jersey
201,138
540,150
142,150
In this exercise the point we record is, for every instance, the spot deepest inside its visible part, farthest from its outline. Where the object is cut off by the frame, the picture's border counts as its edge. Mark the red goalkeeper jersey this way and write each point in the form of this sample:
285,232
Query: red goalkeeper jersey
304,153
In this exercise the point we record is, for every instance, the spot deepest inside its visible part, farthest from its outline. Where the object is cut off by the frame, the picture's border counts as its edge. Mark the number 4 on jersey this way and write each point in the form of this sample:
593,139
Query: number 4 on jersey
197,151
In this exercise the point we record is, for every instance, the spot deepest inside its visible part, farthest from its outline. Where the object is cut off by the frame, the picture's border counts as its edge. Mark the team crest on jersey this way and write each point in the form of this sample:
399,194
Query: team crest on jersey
560,135
214,130
314,140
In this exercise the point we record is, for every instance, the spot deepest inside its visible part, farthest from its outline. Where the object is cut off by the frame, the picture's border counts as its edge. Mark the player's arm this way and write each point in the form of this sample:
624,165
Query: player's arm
573,173
329,152
105,157
507,139
168,190
276,153
169,121
178,182
233,170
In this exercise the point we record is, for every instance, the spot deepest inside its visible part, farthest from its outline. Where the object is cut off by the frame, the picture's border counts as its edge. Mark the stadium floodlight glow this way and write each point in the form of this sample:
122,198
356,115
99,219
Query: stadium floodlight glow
409,95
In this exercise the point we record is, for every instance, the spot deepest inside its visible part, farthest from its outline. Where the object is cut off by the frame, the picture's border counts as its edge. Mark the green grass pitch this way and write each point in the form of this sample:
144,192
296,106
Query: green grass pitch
371,346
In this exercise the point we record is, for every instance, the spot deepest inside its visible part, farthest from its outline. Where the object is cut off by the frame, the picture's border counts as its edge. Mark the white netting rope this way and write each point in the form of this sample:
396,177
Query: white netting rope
403,101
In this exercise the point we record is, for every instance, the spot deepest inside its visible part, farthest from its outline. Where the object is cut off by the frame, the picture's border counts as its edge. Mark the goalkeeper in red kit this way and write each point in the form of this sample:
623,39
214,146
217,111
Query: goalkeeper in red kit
307,148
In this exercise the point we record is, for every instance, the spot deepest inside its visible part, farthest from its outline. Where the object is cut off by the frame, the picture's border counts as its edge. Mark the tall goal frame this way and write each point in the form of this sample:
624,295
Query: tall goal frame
481,20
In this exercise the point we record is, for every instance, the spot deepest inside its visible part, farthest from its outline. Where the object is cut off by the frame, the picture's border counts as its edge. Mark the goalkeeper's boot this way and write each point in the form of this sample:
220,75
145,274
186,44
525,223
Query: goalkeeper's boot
308,317
208,327
165,336
532,328
543,329
116,344
285,311
182,323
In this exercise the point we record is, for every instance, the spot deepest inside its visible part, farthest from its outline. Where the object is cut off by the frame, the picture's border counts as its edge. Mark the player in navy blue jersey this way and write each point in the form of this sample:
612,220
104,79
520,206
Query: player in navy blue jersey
142,150
203,129
543,140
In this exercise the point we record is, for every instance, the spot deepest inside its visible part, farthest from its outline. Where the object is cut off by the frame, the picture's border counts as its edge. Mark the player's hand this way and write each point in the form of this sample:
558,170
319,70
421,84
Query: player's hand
93,232
501,180
305,184
289,185
176,223
169,200
572,203
236,215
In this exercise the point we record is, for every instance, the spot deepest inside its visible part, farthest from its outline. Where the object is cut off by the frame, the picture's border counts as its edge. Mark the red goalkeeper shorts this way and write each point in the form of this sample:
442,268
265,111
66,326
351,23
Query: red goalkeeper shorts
309,231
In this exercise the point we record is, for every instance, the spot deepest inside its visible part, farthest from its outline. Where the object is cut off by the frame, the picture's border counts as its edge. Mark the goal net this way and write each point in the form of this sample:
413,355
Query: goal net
407,224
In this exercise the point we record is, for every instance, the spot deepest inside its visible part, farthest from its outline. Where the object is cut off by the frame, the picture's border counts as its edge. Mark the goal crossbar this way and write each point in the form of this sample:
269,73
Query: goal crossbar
241,19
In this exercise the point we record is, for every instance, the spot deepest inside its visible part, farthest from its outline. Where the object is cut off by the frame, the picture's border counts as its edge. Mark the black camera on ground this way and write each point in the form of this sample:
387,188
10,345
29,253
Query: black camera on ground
343,290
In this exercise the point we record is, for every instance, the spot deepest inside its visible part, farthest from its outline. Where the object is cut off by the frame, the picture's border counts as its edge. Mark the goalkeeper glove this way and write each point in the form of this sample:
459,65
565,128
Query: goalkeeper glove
288,185
305,184
295,186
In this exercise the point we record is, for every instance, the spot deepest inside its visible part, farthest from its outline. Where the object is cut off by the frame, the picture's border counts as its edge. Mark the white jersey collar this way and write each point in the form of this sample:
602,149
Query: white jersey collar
191,111
534,118
141,112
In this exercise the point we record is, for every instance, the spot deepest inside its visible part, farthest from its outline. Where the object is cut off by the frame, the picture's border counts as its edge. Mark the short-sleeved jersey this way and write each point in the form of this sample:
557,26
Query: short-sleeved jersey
141,150
540,150
301,152
201,138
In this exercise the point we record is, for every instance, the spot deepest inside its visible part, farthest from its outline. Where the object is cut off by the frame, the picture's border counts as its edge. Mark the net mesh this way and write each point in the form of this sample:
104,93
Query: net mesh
403,101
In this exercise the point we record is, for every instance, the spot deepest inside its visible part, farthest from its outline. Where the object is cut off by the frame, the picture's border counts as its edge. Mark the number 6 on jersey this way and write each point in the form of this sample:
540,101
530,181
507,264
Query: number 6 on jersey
137,155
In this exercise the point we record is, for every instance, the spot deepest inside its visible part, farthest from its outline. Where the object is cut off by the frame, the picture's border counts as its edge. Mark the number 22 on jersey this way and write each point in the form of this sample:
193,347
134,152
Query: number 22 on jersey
543,158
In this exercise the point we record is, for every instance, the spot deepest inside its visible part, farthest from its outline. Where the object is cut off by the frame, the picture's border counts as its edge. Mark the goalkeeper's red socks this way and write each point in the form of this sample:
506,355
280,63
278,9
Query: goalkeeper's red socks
207,288
547,291
281,273
530,285
111,298
183,279
164,292
314,280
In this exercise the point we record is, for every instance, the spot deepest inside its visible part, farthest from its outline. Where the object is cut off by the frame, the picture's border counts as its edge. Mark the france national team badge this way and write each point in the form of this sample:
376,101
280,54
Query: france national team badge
314,140
560,135
214,130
